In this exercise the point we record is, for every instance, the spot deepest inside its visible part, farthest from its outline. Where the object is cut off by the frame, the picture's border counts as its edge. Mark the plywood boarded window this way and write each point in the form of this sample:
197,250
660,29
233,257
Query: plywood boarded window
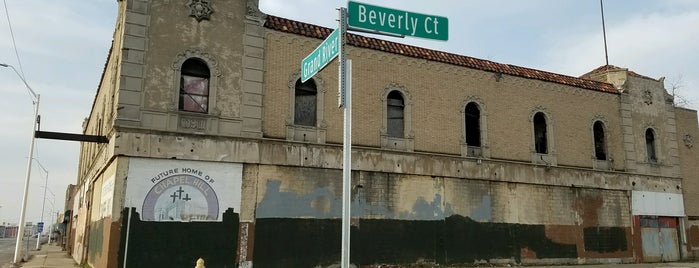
194,86
395,114
600,143
305,99
540,135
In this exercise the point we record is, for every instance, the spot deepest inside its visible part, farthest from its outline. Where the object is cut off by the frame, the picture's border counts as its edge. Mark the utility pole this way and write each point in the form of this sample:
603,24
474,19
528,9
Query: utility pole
23,211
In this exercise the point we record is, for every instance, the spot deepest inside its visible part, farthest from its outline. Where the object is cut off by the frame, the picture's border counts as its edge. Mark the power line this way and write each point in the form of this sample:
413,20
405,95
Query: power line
12,34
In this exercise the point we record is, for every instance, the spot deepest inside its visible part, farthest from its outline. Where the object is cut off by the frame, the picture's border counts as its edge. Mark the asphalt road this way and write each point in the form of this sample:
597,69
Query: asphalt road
7,249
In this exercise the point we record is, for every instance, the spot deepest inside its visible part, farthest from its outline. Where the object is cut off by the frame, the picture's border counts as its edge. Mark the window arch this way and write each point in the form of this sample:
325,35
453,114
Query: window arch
540,134
195,62
305,121
599,140
305,103
396,132
650,146
194,86
472,122
395,114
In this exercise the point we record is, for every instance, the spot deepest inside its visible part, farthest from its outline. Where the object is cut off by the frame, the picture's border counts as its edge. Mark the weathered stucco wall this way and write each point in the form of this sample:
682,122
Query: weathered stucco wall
172,31
651,107
688,138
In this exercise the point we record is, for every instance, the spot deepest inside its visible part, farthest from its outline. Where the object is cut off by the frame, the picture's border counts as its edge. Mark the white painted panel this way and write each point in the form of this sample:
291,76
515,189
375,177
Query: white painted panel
657,204
107,198
182,190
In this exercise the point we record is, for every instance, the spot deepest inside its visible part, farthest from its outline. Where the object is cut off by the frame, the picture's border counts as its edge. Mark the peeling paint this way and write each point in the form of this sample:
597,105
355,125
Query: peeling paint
484,211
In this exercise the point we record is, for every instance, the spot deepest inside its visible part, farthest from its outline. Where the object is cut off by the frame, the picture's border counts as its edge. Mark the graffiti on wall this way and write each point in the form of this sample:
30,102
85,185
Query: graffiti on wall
183,191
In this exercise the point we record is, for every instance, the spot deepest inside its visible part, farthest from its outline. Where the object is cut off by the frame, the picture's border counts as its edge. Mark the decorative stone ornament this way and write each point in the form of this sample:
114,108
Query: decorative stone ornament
688,141
647,97
200,9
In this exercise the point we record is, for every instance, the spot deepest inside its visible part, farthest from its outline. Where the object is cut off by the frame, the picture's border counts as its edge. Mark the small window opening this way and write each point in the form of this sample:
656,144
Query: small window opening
395,114
305,99
650,146
600,150
473,125
540,142
194,86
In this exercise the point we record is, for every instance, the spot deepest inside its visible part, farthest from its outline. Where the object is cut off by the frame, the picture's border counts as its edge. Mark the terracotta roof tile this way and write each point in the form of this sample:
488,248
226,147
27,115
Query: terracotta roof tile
310,30
605,68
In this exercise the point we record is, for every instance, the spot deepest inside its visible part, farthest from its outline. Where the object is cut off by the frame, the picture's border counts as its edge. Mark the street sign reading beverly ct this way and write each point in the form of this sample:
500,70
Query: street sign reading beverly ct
321,56
375,18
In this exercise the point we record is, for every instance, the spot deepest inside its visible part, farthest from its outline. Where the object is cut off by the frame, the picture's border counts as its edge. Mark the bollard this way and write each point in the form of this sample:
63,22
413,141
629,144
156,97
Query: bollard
200,263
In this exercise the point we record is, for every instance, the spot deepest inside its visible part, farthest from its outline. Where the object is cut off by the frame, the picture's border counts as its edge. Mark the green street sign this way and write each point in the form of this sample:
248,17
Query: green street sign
321,56
386,20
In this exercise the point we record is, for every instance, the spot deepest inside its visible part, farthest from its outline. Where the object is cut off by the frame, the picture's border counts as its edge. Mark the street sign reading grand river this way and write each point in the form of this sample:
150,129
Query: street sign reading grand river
381,19
321,56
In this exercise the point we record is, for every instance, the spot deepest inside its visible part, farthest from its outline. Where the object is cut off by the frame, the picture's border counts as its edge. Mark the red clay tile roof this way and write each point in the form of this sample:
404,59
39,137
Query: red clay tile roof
310,30
605,68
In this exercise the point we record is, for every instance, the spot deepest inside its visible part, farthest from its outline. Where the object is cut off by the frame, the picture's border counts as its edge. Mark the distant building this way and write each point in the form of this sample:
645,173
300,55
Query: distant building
217,150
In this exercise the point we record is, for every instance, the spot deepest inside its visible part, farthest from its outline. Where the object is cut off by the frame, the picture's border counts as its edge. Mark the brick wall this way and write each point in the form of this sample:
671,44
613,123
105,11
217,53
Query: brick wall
438,93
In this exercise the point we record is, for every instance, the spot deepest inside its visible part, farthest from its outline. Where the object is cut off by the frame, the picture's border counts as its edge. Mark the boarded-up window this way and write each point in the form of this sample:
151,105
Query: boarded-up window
473,125
650,146
540,138
194,86
305,99
395,114
600,148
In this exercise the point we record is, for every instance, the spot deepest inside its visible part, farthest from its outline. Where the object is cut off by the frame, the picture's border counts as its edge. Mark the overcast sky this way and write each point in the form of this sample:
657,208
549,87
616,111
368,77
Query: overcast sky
63,46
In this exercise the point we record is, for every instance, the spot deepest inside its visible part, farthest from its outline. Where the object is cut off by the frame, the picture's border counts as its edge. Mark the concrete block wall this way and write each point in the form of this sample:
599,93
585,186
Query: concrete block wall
572,218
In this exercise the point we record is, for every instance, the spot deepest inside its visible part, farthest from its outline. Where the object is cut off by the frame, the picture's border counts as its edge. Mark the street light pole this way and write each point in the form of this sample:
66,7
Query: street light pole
23,212
43,204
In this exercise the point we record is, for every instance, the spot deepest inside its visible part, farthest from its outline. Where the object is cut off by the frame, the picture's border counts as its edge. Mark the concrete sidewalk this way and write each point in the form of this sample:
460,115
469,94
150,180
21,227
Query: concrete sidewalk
627,265
49,256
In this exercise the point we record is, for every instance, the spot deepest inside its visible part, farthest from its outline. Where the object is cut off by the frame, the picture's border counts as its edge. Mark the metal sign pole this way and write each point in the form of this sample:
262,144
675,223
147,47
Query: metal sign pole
345,78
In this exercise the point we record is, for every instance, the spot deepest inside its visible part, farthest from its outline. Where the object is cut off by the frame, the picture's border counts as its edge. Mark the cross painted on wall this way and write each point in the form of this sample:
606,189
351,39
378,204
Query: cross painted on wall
178,195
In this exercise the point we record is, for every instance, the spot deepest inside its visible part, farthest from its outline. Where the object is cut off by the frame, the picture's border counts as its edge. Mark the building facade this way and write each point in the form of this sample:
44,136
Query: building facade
217,150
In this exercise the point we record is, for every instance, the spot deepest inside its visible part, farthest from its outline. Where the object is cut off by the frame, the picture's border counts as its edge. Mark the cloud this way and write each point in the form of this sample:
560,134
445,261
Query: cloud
654,44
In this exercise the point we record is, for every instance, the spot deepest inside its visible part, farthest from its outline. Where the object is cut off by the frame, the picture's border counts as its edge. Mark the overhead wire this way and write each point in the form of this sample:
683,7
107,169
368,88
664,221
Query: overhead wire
12,34
19,61
14,44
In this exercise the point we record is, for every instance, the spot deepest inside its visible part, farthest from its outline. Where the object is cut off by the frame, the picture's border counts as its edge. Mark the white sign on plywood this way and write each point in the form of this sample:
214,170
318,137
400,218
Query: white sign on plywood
107,197
657,204
183,190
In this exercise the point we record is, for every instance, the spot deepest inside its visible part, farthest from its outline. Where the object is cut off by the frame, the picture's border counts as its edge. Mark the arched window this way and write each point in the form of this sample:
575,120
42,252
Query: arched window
305,99
599,139
540,135
650,146
395,114
473,125
194,86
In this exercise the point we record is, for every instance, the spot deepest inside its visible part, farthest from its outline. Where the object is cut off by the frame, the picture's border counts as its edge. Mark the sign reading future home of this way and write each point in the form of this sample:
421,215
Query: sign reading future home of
381,19
180,190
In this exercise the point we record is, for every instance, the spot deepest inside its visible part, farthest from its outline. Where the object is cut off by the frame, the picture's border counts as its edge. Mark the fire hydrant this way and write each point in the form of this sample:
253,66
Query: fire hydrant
200,263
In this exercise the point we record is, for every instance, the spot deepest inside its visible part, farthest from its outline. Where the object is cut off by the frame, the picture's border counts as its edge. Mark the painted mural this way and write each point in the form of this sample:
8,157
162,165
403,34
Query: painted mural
182,190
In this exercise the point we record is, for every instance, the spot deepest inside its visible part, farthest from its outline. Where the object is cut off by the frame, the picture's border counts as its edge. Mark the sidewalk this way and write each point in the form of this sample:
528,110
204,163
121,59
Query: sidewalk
50,256
627,265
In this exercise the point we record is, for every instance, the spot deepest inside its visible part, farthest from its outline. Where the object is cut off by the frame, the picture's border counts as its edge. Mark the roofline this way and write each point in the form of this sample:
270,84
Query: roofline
319,32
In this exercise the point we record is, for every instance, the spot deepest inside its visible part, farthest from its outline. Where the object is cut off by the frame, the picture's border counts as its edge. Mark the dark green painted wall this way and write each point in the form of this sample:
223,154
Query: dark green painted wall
286,242
179,244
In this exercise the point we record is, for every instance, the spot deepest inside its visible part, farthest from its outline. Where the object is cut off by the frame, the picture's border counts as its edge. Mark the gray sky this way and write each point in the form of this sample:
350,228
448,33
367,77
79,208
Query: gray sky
63,46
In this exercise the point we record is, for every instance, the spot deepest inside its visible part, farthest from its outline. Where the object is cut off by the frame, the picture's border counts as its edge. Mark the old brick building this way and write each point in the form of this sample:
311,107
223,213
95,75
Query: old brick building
217,150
